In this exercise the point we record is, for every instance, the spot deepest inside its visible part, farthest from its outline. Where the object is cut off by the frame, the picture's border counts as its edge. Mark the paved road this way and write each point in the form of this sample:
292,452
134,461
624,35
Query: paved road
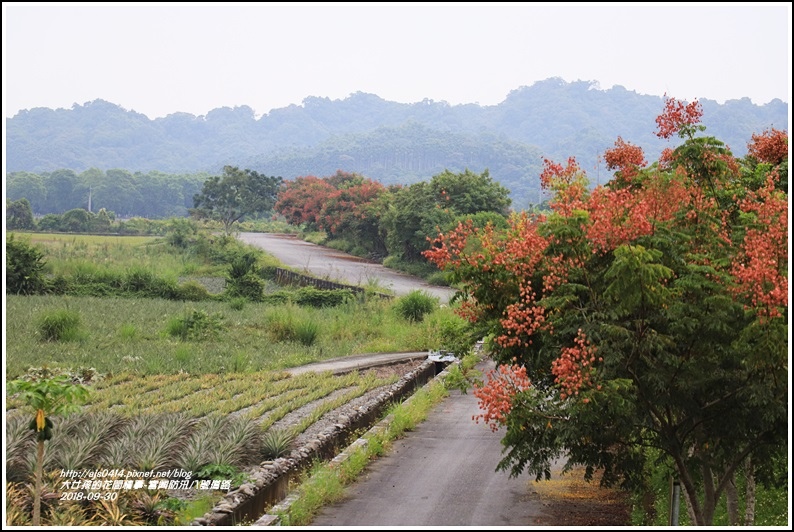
441,474
334,265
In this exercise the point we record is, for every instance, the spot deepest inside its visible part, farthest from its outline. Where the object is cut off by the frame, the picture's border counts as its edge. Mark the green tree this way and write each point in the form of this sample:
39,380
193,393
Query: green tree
19,215
50,222
469,193
650,313
414,215
102,220
61,186
234,195
421,210
24,268
26,185
76,221
47,396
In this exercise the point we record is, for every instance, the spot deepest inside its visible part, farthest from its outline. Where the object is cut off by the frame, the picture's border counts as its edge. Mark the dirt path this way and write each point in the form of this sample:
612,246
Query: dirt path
326,263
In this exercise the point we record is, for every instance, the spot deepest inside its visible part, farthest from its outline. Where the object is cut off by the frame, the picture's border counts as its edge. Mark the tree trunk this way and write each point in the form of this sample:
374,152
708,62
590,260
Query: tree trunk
37,491
709,497
749,512
649,504
732,499
690,511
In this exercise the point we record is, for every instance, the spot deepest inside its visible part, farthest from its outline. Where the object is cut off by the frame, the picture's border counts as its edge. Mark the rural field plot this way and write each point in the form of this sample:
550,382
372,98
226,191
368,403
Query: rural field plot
180,377
210,428
183,413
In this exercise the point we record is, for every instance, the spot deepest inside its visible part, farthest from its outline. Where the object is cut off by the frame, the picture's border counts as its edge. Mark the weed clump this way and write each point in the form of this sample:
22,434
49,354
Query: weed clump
62,325
195,325
415,305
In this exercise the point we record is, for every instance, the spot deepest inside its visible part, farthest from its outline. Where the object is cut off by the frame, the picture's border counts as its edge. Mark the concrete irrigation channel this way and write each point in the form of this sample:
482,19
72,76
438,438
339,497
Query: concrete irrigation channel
270,482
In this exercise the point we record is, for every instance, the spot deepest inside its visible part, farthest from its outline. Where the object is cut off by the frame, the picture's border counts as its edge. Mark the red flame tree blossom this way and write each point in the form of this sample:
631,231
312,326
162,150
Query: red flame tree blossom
496,395
678,118
771,146
625,158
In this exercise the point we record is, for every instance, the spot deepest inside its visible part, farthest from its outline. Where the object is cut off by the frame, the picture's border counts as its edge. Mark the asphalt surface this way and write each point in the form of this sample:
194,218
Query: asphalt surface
333,265
440,474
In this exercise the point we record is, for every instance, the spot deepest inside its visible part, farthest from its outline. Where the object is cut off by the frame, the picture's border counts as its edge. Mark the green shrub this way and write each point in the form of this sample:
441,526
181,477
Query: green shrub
58,285
237,303
128,331
239,362
456,334
141,281
61,325
242,265
92,290
268,272
195,325
192,291
183,354
249,286
284,326
281,297
463,375
222,472
24,268
281,325
415,305
438,279
181,232
314,297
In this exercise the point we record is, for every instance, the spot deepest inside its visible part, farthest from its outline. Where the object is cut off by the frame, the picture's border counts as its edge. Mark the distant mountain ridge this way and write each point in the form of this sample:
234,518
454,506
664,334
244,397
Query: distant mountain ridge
386,141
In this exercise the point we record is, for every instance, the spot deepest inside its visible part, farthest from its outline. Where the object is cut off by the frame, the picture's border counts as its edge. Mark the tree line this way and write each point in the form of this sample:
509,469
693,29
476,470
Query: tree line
358,214
391,223
150,195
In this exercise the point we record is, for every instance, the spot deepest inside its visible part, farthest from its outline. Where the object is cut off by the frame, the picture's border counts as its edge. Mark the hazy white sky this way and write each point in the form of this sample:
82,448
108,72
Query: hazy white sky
161,58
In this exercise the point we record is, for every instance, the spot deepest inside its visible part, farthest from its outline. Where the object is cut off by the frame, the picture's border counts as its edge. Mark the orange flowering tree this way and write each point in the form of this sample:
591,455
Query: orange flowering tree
345,205
648,313
300,200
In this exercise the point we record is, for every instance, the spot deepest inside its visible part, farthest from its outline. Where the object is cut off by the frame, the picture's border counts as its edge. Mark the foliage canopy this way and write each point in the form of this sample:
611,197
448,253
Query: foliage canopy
650,312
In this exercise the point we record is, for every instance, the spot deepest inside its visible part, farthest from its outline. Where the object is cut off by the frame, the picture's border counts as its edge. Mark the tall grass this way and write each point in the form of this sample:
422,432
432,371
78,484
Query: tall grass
59,325
126,334
69,255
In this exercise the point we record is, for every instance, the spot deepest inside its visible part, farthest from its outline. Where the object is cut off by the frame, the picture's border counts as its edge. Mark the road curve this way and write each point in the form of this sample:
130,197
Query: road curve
333,265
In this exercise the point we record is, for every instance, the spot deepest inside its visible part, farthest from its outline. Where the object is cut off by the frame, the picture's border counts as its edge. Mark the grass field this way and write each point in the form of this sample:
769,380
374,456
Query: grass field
118,335
70,254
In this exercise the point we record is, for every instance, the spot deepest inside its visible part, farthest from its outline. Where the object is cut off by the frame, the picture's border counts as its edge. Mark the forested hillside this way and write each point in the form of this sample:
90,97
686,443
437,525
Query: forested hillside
386,141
